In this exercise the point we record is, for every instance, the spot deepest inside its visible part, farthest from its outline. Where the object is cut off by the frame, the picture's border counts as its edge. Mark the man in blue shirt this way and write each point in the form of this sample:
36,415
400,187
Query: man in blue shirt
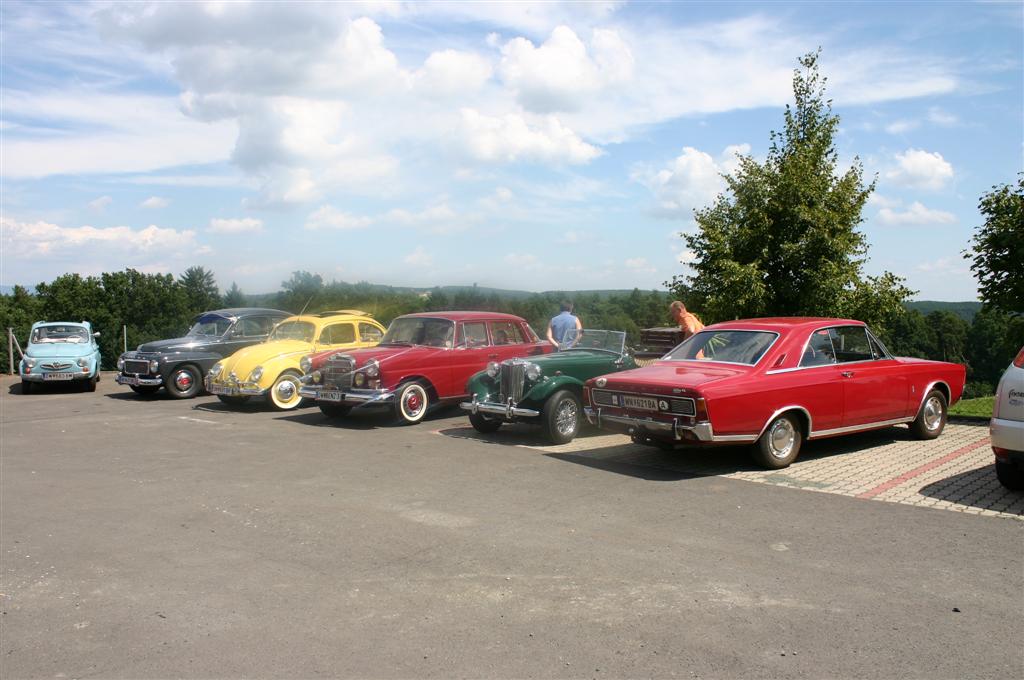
562,324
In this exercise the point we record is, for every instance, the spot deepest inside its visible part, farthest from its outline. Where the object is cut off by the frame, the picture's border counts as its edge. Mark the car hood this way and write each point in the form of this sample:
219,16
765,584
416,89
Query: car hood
175,344
244,360
387,356
59,349
678,374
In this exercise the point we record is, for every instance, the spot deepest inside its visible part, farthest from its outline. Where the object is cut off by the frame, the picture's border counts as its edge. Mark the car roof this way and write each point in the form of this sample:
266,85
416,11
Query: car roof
339,312
778,323
244,311
343,315
467,316
61,323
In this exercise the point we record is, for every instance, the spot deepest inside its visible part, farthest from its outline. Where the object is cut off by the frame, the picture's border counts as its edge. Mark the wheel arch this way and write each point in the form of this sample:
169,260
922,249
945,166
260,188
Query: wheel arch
803,417
423,380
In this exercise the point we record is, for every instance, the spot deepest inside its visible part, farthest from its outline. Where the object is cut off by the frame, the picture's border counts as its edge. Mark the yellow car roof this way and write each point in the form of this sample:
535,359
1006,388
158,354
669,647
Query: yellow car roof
322,318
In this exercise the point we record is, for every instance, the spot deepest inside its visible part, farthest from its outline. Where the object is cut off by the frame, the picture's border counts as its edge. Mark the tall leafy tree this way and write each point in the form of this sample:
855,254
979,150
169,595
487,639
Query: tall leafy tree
301,291
997,250
784,238
234,297
200,288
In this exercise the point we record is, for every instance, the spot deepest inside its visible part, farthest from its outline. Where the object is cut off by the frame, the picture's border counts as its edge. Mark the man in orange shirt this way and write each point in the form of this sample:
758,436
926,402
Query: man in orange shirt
688,321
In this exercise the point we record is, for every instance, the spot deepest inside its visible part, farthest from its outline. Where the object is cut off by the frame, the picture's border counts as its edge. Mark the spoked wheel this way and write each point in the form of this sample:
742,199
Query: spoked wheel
183,382
484,423
412,403
561,416
284,395
931,419
780,443
332,410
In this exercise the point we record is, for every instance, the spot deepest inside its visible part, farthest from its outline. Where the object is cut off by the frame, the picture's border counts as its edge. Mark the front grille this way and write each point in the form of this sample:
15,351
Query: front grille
136,366
338,373
512,377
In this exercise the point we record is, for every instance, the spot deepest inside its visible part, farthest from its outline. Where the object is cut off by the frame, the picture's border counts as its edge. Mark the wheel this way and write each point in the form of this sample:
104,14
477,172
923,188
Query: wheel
90,384
144,389
412,403
183,382
931,419
231,400
780,443
482,423
284,394
332,410
26,387
1010,476
561,417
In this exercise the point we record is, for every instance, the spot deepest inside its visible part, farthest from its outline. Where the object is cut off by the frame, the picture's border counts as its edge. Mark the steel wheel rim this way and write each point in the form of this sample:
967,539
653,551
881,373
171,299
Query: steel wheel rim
414,401
566,417
933,413
781,438
183,381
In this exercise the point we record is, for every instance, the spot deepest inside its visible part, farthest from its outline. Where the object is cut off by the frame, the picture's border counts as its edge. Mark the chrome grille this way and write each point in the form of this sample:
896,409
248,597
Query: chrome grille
338,373
136,366
512,377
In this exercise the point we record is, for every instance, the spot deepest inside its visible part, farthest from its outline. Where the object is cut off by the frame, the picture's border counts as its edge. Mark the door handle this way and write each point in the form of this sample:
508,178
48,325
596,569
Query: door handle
492,356
847,374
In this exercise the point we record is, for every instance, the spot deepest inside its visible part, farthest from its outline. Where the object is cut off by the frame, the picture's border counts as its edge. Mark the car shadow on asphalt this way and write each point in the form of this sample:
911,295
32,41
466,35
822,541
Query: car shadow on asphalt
364,419
66,387
973,488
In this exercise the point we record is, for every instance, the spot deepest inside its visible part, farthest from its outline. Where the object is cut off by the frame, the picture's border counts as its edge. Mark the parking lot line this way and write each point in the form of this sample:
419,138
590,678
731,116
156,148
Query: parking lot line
920,470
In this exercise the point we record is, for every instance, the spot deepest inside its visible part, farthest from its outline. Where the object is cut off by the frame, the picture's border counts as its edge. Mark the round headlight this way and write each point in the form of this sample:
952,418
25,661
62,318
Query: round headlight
154,366
316,376
120,363
533,371
359,380
83,362
256,374
493,369
30,362
372,368
305,363
217,368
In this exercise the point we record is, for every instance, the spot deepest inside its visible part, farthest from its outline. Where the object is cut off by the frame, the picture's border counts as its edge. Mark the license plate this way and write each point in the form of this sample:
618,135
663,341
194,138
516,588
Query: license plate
58,376
220,389
129,380
642,403
330,395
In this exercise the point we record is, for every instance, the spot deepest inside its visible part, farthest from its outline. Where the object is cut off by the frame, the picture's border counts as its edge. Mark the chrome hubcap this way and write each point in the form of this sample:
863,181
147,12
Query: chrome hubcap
566,417
933,413
183,381
286,390
781,438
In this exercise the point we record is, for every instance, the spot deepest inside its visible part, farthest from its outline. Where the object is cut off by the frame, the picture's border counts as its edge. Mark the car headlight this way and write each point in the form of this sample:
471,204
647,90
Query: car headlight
316,376
217,368
305,364
372,368
493,368
120,363
31,363
256,374
359,380
533,371
154,366
83,362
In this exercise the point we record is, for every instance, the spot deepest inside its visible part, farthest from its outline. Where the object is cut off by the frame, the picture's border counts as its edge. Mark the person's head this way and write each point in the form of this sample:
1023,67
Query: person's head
501,338
677,309
566,306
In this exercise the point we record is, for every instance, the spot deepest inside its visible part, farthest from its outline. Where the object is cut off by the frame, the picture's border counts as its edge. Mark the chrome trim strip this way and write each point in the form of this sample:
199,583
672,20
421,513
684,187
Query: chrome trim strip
702,431
349,396
856,428
928,389
779,412
730,363
838,363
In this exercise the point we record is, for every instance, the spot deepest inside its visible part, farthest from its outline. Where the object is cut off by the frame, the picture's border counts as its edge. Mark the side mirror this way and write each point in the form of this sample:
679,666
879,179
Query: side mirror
96,334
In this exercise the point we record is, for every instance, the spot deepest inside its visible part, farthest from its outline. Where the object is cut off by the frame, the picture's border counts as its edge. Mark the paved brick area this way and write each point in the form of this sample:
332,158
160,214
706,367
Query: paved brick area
953,472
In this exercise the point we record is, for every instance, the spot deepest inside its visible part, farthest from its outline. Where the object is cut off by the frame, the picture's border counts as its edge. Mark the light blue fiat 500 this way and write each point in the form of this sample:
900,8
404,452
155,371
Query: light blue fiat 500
60,351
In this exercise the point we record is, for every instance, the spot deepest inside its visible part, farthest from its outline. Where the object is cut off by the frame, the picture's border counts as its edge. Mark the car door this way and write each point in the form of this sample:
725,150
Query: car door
816,384
875,388
472,351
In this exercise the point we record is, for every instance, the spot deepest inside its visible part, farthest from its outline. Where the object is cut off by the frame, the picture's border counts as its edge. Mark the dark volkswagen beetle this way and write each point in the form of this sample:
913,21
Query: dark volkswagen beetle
179,364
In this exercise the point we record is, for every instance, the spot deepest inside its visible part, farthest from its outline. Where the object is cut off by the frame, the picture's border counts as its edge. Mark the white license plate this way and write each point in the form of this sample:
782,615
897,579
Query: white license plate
129,380
220,389
58,376
642,403
330,395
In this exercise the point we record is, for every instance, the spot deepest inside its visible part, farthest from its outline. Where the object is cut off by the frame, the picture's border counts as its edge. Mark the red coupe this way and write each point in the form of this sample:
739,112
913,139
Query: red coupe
422,360
774,382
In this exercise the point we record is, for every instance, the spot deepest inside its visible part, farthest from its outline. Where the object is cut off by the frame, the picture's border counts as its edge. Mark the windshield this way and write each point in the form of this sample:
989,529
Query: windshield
608,341
734,347
210,325
48,334
293,330
420,331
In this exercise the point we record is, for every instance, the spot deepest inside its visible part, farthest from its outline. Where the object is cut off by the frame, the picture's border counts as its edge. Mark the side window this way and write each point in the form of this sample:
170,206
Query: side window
851,344
876,347
506,333
474,334
338,334
819,350
368,333
253,326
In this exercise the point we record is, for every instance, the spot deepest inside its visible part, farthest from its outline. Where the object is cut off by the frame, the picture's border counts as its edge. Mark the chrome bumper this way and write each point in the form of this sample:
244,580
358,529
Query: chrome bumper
509,410
349,397
122,379
234,390
701,431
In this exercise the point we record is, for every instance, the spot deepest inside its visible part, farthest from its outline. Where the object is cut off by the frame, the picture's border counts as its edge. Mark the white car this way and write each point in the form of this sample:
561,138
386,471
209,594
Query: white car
1007,425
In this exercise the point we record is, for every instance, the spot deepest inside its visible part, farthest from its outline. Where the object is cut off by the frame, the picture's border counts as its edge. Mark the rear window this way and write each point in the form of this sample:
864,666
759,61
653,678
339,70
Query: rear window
729,346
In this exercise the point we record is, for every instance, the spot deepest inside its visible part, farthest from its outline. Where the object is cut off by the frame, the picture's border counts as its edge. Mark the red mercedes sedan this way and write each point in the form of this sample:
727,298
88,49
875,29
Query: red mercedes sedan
775,383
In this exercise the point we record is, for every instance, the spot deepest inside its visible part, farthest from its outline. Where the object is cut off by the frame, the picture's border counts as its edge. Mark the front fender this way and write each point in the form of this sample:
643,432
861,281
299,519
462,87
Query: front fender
277,365
482,385
204,360
541,391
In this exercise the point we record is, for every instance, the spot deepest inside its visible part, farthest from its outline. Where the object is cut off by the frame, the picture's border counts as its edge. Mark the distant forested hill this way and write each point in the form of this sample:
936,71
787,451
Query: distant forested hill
965,310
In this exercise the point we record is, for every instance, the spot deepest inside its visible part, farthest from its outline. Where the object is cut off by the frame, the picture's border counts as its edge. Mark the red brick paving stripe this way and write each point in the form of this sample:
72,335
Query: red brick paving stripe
920,470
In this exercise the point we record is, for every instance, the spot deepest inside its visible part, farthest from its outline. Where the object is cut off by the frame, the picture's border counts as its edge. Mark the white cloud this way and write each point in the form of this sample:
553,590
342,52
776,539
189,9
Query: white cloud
950,266
919,169
511,138
572,237
329,217
898,127
692,180
419,258
940,117
687,257
915,215
883,201
525,261
451,72
155,202
242,225
43,239
639,265
100,204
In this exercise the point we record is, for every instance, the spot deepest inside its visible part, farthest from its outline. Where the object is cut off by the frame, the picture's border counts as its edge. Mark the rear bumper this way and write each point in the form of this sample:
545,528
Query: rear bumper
508,411
352,397
122,379
1008,435
674,429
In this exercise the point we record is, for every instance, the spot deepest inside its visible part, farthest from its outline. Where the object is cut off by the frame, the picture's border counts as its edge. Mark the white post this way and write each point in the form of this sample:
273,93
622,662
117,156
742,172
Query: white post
10,351
125,330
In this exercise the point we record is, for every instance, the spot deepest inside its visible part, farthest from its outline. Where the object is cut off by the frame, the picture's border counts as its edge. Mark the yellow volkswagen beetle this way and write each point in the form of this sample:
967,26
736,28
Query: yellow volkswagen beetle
271,368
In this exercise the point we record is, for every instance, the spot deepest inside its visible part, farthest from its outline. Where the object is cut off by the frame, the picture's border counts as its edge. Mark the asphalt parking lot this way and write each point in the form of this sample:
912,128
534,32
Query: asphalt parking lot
147,537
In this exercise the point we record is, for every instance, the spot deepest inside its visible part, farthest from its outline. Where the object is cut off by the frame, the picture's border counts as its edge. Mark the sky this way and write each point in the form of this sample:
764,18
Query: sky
530,145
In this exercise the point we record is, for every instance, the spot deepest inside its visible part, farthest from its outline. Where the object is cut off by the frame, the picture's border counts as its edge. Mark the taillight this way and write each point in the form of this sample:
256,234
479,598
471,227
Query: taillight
702,410
1001,452
1019,360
